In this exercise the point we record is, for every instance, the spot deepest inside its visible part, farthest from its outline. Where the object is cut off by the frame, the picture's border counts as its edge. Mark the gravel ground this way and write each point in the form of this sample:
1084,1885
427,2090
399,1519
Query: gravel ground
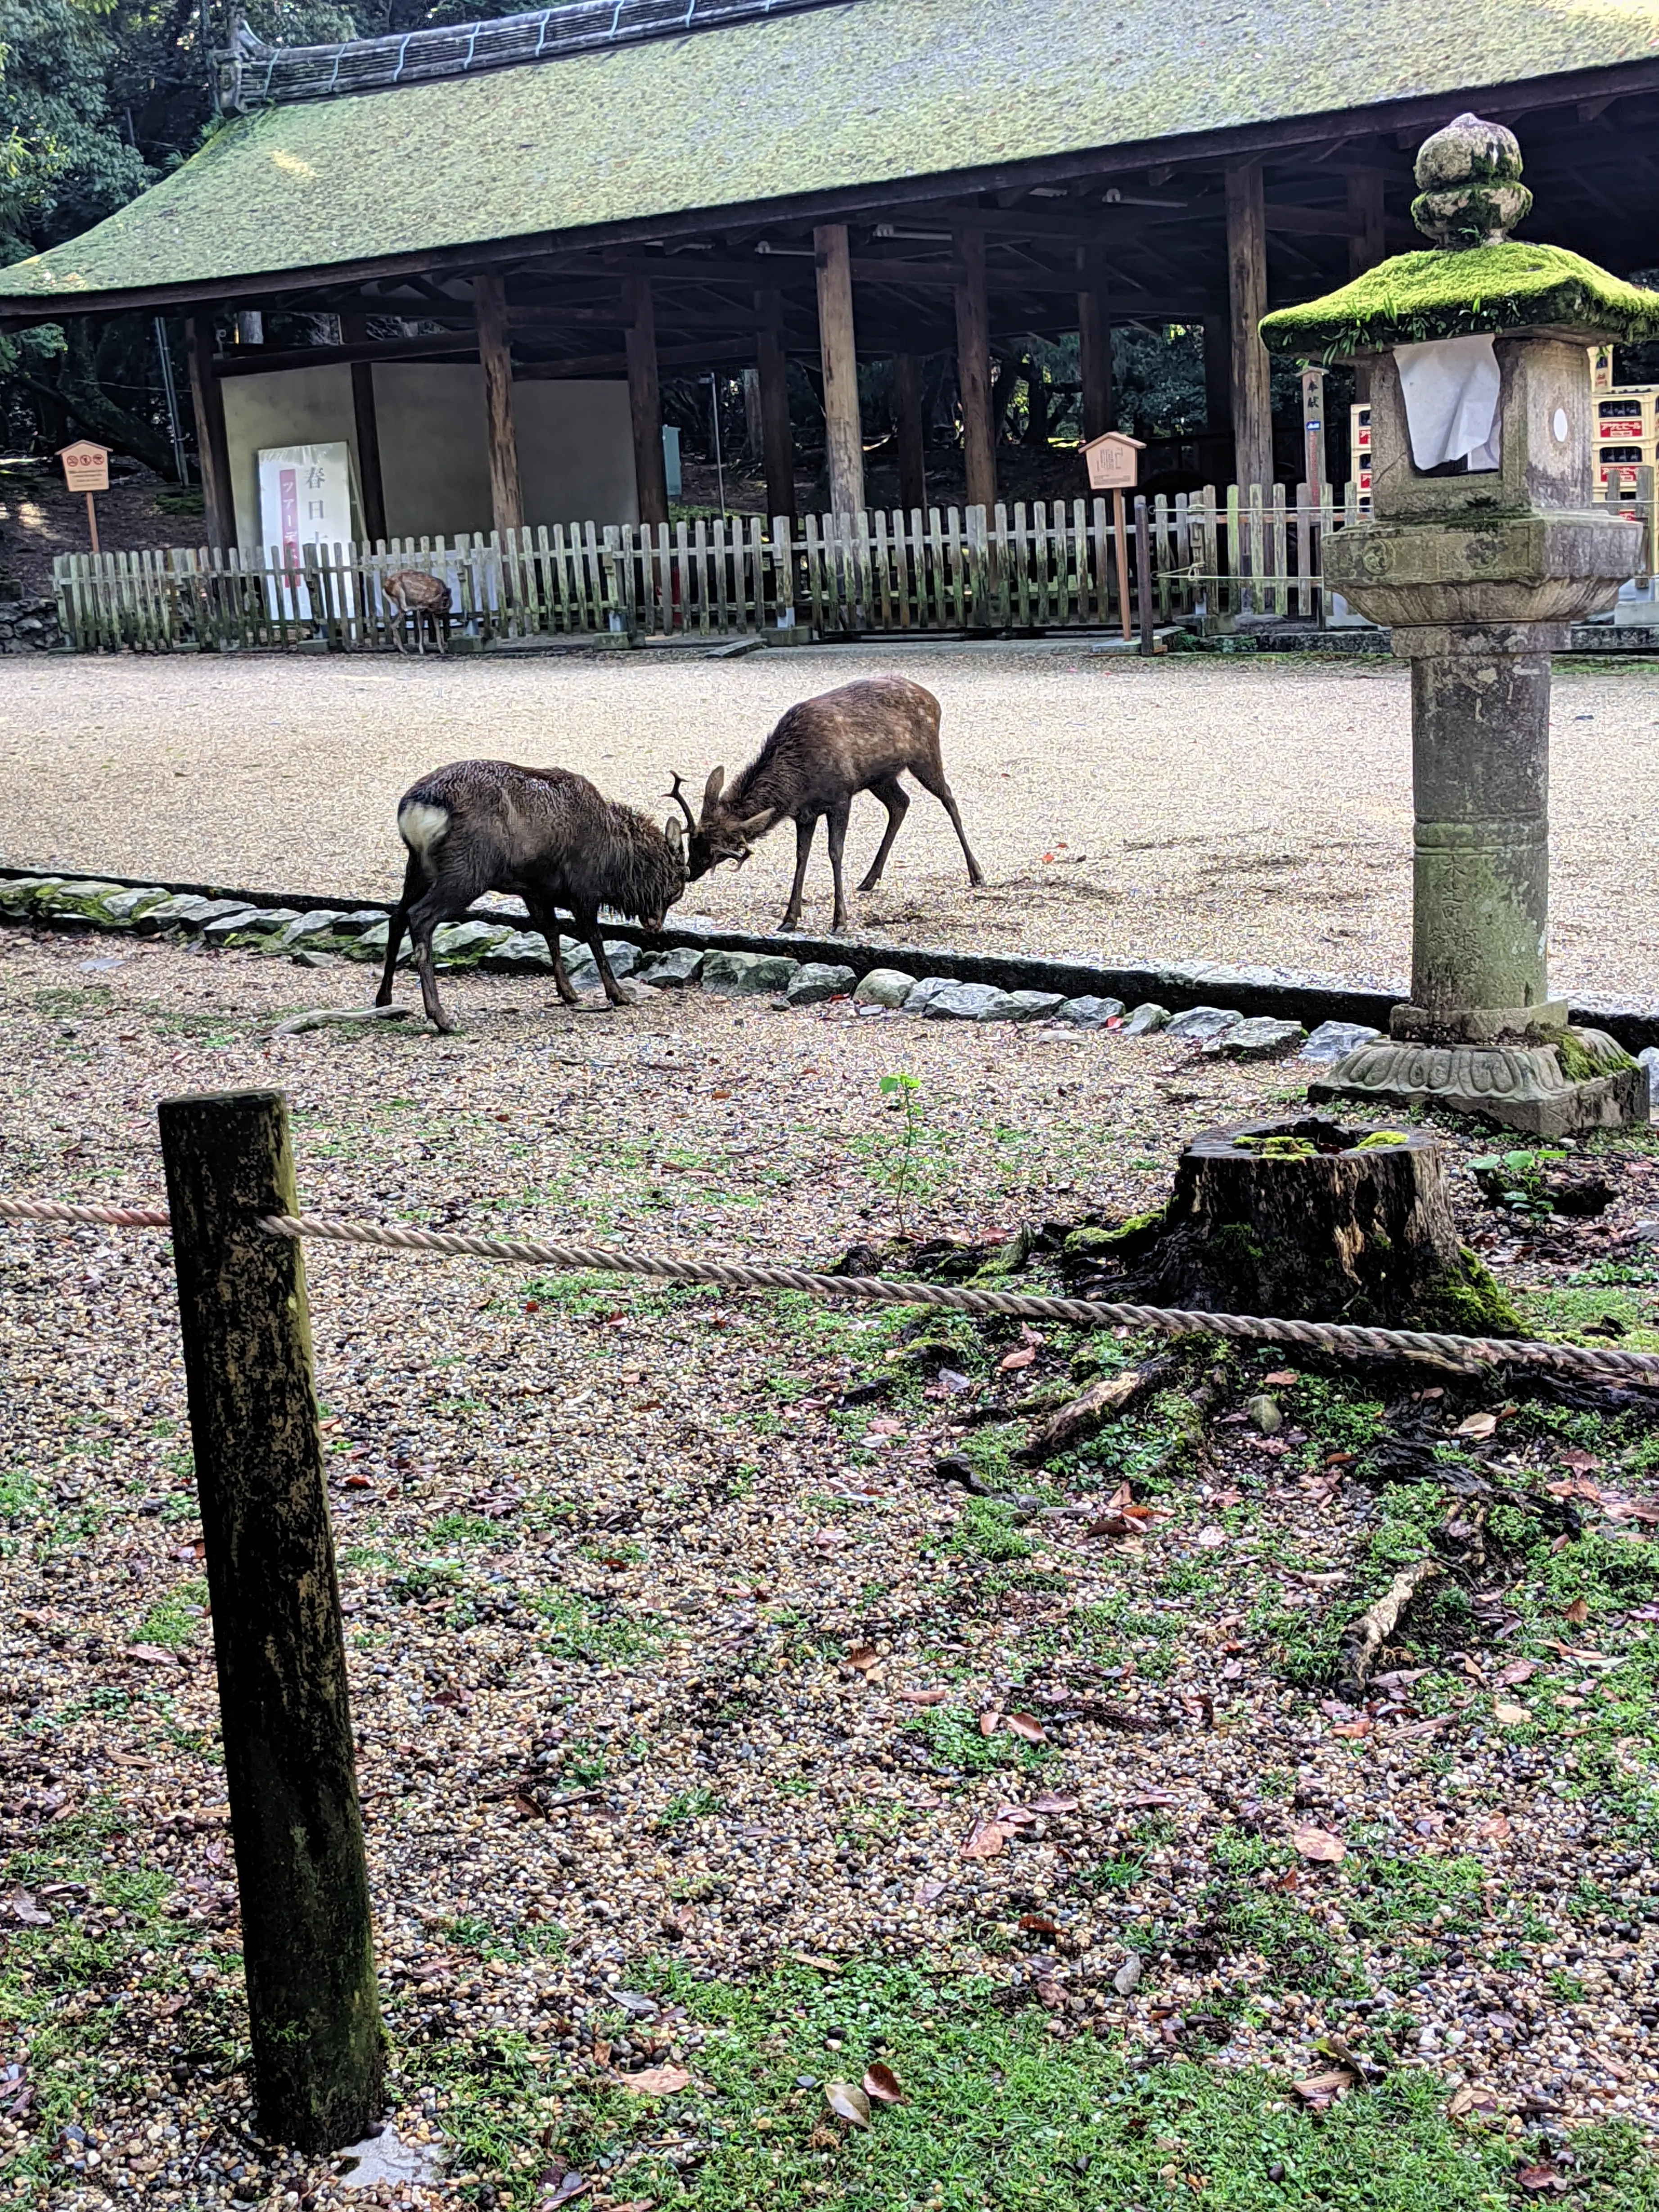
1193,809
681,1676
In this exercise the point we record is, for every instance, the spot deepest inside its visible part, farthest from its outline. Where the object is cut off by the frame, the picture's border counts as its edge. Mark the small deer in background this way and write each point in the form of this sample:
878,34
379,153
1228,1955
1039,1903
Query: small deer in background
416,594
544,834
862,737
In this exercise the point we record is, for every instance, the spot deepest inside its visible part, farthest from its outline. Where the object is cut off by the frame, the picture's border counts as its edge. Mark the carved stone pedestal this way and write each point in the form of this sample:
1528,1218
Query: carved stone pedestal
1584,1080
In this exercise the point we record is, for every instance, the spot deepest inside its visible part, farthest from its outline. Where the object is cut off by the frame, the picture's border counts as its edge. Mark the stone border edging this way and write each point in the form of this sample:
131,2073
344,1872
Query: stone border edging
1254,992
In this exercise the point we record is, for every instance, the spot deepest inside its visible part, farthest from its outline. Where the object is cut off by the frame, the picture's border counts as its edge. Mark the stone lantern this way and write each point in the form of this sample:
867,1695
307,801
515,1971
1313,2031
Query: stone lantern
1482,549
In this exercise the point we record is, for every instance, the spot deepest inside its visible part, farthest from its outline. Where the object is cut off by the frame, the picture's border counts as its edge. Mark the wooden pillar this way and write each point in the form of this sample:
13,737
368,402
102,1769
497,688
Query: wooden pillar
1217,376
1366,238
1366,248
212,448
909,431
307,1943
1247,292
645,400
354,329
974,367
1095,349
843,430
501,429
777,439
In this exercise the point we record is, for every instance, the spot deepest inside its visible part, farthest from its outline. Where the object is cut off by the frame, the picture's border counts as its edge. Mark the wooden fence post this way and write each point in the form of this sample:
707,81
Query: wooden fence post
1144,576
278,1642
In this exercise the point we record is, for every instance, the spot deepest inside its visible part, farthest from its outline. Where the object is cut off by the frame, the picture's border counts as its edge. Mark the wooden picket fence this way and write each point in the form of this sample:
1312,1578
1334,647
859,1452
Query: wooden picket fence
1200,557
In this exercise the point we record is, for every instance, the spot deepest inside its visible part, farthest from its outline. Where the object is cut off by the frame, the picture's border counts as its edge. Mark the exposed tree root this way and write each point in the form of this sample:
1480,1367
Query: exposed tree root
1366,1636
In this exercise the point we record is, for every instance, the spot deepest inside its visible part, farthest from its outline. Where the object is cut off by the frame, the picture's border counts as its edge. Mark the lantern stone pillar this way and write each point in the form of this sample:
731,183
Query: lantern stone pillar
1482,549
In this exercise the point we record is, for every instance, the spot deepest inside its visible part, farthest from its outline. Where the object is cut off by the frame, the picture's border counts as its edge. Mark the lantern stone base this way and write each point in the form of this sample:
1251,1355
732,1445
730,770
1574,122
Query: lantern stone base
1583,1081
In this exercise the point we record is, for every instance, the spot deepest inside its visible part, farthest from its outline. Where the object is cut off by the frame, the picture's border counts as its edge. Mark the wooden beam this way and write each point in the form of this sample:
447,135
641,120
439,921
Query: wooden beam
843,431
645,401
501,429
212,448
909,430
1095,347
777,438
354,329
1247,295
974,369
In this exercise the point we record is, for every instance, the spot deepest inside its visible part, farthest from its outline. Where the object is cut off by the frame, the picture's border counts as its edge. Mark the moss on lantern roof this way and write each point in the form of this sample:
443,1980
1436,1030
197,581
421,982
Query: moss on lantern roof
1437,293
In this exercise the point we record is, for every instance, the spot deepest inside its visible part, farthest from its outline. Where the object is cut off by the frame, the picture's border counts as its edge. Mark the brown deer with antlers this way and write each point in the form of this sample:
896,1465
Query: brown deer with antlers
862,737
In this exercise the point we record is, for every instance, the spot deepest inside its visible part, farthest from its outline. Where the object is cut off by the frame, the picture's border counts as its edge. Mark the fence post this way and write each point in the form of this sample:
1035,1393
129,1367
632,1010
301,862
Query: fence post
1144,575
278,1641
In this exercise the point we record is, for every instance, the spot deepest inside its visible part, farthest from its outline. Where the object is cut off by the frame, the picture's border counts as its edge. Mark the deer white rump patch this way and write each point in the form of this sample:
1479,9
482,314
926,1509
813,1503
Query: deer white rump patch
420,825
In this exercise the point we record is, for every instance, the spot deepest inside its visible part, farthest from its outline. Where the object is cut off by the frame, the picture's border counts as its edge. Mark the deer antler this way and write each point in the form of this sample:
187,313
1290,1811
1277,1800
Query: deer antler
679,798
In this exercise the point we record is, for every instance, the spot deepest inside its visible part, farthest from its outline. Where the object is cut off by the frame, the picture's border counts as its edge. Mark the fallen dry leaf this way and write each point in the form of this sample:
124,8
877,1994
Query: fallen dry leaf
1482,2102
1319,1844
1494,1829
990,1720
1509,1716
1038,1923
928,1892
1012,1360
1518,1670
1026,1725
1476,1425
654,2081
882,2083
1577,1613
1321,2089
1211,1538
1053,1804
1540,2180
863,1657
1281,1378
848,2102
985,1840
924,1696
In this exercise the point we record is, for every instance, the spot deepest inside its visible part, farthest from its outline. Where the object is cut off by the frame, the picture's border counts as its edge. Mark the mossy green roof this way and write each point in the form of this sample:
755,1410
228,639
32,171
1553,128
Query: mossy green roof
1514,285
784,107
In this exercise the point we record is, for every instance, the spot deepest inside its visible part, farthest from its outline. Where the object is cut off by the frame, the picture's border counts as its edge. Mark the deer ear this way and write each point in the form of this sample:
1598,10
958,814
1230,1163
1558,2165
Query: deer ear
712,790
758,824
672,831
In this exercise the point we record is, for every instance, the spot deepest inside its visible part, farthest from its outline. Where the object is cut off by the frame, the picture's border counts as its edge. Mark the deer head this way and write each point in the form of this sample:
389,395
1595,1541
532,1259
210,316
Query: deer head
722,834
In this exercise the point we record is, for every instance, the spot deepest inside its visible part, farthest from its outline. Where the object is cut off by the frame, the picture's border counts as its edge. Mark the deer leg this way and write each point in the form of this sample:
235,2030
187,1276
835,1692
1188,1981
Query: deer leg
840,815
803,854
595,944
894,797
395,624
424,920
546,918
931,776
414,883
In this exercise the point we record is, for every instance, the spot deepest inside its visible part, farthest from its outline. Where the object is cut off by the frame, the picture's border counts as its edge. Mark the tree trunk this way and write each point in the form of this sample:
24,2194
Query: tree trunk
1305,1220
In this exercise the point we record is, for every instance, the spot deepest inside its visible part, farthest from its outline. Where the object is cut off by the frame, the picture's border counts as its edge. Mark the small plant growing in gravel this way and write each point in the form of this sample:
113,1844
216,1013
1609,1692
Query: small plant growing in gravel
903,1089
1516,1180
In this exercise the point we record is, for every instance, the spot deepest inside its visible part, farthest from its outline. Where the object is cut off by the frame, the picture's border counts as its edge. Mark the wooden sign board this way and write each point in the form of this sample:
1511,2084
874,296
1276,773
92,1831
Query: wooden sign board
1112,460
85,466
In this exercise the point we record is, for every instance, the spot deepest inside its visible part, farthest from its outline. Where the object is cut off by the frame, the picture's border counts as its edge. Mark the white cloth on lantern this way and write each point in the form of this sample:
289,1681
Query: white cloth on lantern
1451,388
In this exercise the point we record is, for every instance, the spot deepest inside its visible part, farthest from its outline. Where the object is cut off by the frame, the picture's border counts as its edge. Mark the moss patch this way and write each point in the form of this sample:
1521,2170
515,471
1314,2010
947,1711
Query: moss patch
1415,297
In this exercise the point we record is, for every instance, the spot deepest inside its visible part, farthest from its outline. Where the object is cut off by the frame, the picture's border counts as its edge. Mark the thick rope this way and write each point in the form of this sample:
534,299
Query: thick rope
747,1275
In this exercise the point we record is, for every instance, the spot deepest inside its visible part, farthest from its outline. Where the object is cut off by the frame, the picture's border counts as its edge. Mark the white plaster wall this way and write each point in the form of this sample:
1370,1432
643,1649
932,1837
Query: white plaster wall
287,407
575,443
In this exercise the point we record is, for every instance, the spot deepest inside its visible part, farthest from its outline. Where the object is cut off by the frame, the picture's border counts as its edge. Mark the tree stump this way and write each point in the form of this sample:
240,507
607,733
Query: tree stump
1310,1220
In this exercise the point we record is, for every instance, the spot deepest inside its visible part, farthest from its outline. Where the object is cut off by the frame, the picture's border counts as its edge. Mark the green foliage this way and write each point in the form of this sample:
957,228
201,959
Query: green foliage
1516,1179
952,1736
986,1530
1000,2112
904,1089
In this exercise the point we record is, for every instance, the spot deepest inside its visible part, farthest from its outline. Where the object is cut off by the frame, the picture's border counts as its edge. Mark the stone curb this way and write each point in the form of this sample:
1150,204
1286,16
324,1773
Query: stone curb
1278,994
